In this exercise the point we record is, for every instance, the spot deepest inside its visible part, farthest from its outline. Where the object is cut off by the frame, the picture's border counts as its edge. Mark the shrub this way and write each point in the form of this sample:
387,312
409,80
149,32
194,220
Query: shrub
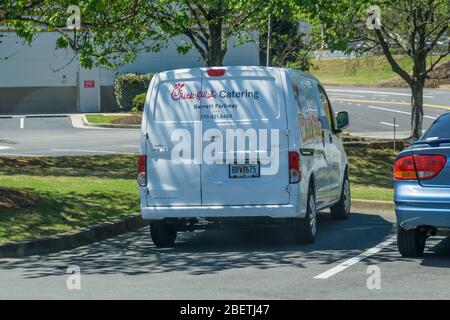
128,86
139,102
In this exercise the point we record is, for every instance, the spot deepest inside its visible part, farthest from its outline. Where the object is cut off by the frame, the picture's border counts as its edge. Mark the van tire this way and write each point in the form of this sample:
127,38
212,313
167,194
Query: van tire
163,235
342,209
411,243
305,229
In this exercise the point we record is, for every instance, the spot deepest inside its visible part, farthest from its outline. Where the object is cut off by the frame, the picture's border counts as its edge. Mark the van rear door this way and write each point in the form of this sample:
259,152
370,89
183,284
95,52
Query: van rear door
172,122
244,108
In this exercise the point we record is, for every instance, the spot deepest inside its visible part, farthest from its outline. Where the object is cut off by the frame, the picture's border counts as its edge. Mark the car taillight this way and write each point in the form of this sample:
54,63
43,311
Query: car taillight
429,166
142,171
419,167
216,72
404,169
295,174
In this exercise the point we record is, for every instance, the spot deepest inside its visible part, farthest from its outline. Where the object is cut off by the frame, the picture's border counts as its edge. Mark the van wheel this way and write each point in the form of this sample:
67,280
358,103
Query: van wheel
411,243
305,229
342,209
163,235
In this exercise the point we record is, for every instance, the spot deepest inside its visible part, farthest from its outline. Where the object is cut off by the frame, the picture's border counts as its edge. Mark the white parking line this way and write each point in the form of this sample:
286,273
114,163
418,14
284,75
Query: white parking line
91,151
375,92
5,148
19,154
347,95
350,262
398,111
130,146
22,123
389,124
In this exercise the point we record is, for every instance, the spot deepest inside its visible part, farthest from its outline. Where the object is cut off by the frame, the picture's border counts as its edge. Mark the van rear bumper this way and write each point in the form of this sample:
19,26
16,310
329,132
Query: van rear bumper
272,211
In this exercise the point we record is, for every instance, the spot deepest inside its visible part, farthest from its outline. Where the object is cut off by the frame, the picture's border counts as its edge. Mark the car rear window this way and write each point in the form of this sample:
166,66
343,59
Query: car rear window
440,129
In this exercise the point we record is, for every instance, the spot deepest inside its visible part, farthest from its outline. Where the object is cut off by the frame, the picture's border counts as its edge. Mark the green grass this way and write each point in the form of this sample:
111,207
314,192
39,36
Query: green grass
371,173
102,119
76,192
365,71
81,191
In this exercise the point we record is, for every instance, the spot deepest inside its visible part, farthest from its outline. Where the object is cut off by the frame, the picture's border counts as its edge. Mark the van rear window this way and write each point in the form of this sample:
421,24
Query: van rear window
175,101
240,99
227,99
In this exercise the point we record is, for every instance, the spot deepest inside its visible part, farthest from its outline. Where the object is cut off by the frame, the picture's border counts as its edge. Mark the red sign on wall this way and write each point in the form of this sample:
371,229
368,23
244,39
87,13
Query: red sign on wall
89,83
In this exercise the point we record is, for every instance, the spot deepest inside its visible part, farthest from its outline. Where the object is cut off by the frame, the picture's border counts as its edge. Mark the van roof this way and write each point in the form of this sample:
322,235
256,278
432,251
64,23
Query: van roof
173,73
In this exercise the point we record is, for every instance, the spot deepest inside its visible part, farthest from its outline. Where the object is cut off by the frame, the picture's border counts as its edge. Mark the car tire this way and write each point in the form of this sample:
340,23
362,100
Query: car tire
305,229
342,209
411,243
162,234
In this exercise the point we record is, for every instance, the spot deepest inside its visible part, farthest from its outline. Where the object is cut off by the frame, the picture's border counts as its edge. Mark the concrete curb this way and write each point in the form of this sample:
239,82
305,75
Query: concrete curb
71,240
108,125
79,121
400,145
373,205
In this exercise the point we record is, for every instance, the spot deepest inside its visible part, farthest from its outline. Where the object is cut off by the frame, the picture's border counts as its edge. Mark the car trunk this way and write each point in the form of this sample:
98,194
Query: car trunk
442,180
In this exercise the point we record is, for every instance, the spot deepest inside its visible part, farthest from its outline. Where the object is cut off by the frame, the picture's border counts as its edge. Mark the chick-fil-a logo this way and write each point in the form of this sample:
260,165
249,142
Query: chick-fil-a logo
178,93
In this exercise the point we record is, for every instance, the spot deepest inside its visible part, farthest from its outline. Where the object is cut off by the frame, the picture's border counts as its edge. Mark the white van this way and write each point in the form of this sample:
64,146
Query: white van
230,146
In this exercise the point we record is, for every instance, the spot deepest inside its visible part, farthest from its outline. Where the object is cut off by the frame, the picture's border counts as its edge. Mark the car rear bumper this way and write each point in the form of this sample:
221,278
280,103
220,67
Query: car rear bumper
414,215
271,211
418,206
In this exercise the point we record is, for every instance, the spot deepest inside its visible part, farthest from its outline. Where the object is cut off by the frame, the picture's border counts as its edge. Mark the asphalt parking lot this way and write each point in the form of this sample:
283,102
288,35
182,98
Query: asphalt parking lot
239,264
56,136
245,264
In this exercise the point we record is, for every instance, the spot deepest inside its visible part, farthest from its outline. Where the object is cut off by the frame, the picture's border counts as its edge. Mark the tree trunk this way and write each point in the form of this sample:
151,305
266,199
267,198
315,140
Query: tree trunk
417,87
215,52
417,110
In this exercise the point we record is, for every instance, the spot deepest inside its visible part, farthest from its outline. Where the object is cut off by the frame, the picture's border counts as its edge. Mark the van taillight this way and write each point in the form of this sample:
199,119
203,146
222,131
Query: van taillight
216,72
295,174
419,167
142,171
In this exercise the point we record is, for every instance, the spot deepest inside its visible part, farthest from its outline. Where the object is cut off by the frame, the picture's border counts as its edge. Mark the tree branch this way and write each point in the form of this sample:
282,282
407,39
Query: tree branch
387,52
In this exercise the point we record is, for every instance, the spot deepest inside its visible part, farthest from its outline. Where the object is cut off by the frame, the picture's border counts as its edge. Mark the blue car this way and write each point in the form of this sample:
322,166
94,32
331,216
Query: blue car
422,189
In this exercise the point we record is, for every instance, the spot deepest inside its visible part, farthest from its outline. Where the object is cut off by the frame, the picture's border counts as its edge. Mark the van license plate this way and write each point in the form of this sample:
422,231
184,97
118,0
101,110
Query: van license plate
244,170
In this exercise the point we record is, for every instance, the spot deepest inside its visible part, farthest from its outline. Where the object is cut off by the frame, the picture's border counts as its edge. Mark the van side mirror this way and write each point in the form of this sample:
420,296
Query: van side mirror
342,120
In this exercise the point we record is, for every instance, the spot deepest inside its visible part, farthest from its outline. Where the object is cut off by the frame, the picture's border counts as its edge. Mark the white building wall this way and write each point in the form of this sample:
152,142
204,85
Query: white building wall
51,79
169,59
36,65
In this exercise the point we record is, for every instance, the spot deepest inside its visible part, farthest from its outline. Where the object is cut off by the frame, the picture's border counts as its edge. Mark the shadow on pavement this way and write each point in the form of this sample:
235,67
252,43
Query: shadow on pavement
212,252
437,254
8,142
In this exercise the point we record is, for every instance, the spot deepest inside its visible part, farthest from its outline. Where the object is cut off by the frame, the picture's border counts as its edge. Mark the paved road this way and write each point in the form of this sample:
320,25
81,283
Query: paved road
55,136
255,264
372,113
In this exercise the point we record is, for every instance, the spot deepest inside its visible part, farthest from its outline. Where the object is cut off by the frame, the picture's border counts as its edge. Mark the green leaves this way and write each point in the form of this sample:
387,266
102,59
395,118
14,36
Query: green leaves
62,42
112,31
86,61
209,25
184,47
